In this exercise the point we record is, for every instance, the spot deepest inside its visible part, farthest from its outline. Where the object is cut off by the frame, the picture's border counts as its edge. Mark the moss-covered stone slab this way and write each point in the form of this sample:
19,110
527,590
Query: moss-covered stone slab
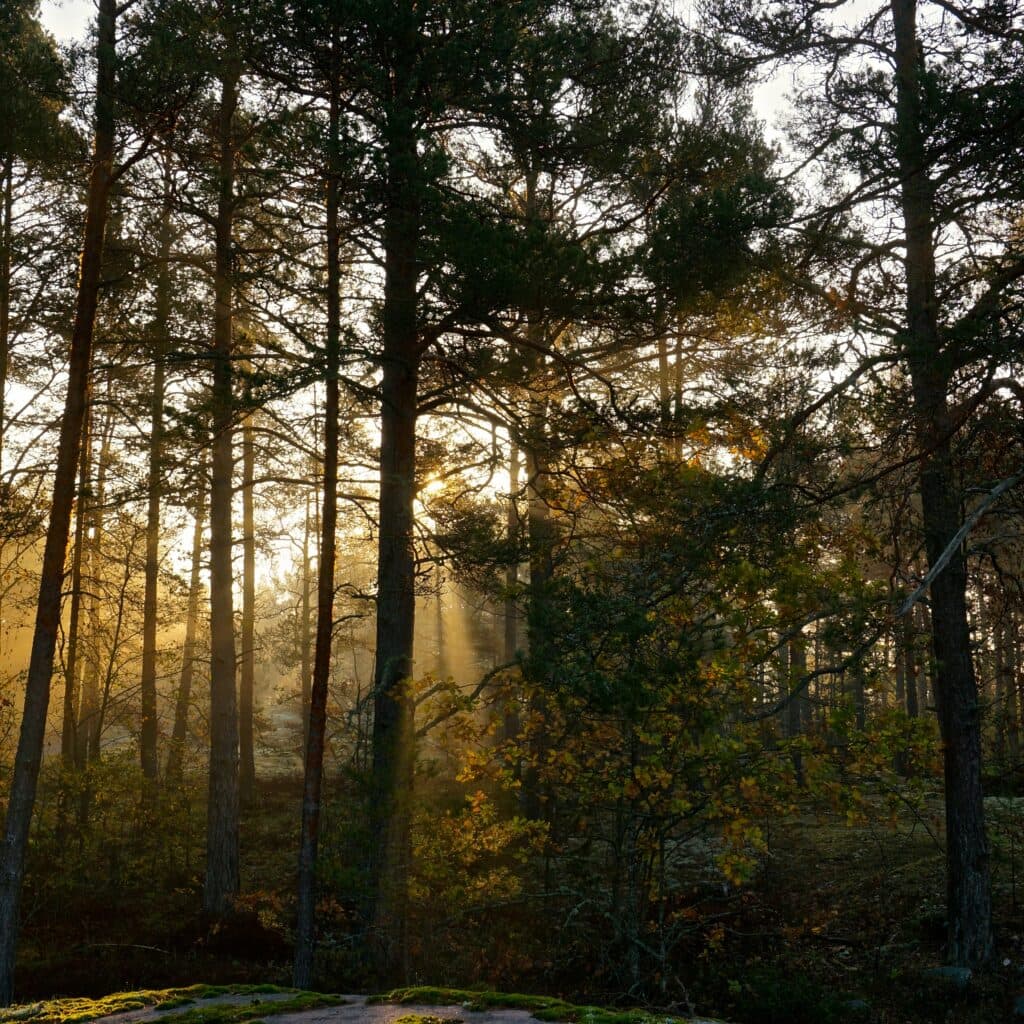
543,1008
225,1004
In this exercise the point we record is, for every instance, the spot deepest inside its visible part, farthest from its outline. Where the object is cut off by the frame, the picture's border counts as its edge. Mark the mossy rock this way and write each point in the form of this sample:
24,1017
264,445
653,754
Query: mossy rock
78,1011
427,1018
543,1008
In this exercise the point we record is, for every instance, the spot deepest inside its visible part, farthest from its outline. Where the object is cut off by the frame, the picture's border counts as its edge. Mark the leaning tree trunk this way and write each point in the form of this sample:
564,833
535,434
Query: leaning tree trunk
969,907
316,731
222,870
40,670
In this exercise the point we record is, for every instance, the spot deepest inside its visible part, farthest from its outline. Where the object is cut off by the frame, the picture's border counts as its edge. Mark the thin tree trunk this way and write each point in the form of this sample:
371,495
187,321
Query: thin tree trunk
910,665
1009,707
69,719
162,322
222,870
179,731
6,242
999,694
796,715
247,680
90,721
969,907
305,654
37,692
313,779
511,723
664,384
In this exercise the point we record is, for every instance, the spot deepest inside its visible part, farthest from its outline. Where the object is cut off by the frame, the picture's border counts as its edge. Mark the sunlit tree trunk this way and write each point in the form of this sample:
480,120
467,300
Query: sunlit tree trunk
72,663
247,680
37,693
222,871
183,701
90,720
510,617
969,911
161,327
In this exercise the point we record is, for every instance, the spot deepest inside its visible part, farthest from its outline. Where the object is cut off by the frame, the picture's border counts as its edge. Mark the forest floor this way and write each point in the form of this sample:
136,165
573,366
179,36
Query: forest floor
842,923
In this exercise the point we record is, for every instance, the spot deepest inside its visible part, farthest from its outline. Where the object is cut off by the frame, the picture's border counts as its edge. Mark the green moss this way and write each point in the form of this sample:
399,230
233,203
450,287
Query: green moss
77,1011
543,1008
237,1013
428,1018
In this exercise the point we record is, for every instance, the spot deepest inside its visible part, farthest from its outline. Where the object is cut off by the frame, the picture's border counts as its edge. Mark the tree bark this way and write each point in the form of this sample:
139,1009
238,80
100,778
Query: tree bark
161,326
37,692
90,718
179,731
69,718
969,939
6,242
305,654
222,870
393,755
247,681
305,946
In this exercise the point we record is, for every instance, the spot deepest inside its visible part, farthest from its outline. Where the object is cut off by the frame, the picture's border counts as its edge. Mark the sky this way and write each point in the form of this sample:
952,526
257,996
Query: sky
67,19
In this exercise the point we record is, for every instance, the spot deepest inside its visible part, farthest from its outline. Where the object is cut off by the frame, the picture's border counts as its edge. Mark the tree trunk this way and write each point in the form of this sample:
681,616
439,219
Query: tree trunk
968,881
393,755
999,688
37,692
69,718
1009,708
6,242
247,681
794,709
305,655
222,872
179,731
90,719
161,326
310,835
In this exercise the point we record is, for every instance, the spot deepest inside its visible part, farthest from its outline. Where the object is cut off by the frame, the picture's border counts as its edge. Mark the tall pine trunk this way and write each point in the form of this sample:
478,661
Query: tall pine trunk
393,754
222,870
161,326
969,910
40,670
316,731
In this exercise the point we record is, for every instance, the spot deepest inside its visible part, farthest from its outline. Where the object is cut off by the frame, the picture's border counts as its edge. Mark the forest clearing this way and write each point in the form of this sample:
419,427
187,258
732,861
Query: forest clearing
513,506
